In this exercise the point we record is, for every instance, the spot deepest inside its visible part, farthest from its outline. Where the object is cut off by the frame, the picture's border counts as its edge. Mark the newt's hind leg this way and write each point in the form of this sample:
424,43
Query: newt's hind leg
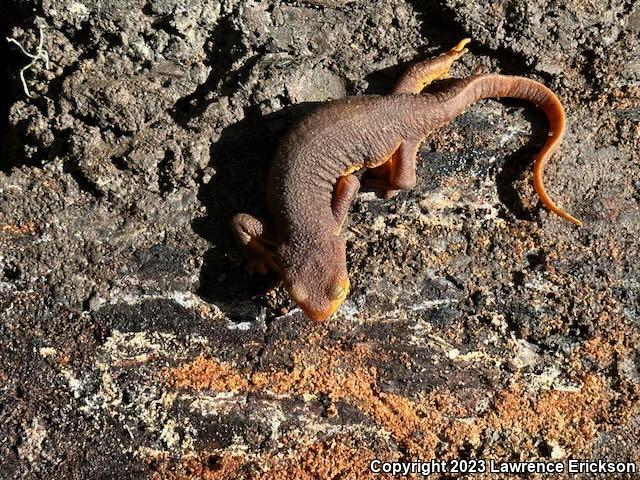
422,74
397,173
254,237
344,193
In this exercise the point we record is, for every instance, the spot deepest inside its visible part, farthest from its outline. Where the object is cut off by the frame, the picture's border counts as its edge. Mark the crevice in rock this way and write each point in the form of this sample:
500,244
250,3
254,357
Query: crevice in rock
222,79
164,172
14,13
84,183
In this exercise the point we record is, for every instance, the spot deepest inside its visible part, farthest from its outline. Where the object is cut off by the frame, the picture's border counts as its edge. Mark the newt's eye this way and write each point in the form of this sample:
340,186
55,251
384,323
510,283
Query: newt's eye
337,291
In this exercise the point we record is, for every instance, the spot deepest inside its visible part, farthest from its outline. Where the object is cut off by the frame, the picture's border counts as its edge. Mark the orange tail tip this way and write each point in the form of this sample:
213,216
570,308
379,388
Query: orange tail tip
538,185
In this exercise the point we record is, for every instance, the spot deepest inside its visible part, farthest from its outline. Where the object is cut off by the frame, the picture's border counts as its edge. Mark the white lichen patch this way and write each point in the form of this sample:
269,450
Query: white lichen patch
350,310
214,403
526,354
140,347
551,379
169,435
429,304
475,355
48,352
540,283
31,446
185,299
78,10
512,132
242,326
557,452
629,369
75,384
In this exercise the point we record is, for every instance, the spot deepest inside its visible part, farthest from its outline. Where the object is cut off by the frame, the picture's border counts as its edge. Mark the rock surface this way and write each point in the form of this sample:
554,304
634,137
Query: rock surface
132,343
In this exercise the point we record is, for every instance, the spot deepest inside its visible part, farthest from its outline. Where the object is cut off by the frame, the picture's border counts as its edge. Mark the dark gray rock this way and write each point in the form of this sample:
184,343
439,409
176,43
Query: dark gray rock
132,343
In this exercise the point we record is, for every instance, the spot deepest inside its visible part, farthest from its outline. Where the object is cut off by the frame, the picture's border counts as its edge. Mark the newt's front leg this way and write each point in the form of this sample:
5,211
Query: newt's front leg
257,242
344,193
397,173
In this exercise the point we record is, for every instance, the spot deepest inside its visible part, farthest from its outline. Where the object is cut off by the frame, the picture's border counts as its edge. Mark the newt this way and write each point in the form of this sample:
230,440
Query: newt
311,183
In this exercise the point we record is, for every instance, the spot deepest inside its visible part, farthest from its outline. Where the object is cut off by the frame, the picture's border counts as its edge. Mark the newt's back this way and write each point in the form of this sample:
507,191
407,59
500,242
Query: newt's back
337,137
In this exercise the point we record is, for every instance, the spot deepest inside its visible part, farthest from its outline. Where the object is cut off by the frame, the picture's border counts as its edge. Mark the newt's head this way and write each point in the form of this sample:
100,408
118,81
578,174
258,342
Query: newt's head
315,275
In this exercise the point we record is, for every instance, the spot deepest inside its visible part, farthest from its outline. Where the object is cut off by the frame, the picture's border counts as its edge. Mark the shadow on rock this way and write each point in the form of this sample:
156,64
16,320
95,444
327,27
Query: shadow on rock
517,163
241,159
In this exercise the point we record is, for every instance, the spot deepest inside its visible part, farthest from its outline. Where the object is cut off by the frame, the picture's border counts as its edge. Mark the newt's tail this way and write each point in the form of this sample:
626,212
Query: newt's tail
467,91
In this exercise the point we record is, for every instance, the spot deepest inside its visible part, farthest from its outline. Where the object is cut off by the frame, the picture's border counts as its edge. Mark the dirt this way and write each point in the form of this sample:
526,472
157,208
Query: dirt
133,344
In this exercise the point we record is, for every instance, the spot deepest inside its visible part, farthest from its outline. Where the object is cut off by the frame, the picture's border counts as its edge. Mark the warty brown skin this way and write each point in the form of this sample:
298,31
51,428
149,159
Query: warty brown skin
310,186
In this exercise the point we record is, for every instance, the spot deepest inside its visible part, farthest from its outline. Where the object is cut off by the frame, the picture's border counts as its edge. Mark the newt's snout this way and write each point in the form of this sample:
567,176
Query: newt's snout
336,297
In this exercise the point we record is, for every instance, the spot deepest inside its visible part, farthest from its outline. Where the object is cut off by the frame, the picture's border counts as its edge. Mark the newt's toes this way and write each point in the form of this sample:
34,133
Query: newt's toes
261,265
459,48
389,194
